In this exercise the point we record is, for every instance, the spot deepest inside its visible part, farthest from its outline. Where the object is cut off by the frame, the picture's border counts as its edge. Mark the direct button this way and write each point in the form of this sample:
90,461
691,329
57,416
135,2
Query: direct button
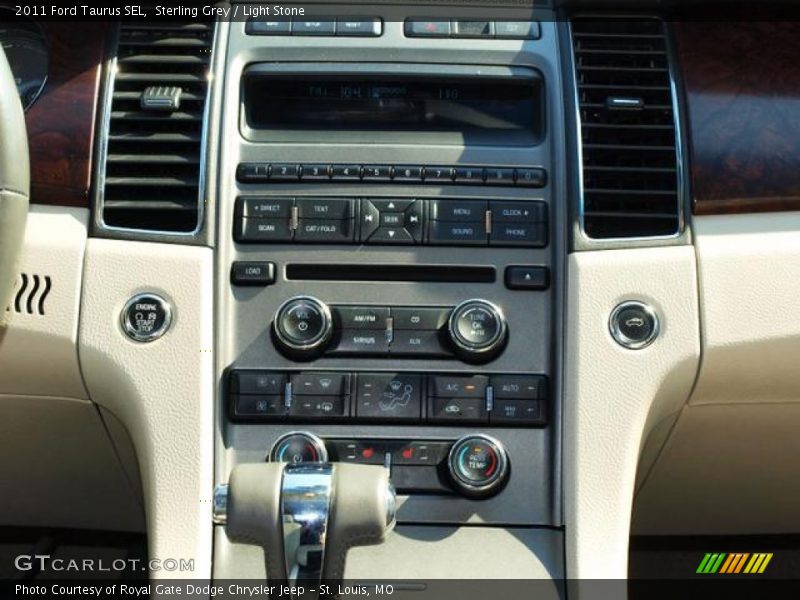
146,317
264,208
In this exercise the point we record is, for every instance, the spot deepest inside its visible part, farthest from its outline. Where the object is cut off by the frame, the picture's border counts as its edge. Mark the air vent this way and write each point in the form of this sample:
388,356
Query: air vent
630,161
157,110
30,294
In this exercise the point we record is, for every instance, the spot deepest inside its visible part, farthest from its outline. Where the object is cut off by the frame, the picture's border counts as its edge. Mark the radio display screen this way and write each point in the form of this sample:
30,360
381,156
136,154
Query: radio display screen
474,109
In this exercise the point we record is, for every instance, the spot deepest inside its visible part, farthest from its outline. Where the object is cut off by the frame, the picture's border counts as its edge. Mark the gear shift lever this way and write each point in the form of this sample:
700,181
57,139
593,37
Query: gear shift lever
306,516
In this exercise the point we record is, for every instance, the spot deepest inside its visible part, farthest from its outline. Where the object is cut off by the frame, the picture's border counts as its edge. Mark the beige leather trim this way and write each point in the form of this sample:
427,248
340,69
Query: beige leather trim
162,391
749,267
727,466
55,240
726,469
614,396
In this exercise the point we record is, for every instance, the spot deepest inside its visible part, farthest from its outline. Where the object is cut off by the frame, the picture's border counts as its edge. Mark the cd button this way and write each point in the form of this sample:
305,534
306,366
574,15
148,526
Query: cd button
419,319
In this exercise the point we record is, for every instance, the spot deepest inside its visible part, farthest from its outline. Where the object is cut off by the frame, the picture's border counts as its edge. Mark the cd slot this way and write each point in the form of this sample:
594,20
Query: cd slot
390,272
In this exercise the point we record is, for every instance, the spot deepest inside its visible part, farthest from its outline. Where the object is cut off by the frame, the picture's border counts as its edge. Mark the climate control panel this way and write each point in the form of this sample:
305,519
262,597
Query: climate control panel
388,397
473,466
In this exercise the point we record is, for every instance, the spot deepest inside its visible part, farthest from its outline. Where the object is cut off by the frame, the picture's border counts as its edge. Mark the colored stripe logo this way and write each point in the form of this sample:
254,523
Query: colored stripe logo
734,563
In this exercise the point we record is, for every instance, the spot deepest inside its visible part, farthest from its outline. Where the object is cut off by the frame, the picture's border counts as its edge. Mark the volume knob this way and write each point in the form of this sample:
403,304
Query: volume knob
302,327
477,330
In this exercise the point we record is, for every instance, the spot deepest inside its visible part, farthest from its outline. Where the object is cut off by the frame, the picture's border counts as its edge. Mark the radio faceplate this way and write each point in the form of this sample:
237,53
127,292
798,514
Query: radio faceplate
449,175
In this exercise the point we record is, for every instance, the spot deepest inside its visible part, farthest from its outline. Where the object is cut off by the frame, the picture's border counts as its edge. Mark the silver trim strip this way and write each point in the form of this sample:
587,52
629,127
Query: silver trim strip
678,136
100,166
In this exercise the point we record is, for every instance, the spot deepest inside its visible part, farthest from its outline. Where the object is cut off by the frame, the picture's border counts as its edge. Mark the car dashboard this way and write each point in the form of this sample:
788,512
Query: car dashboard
520,258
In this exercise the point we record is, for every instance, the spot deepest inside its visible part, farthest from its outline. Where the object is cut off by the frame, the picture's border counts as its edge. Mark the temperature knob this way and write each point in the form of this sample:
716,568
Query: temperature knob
477,330
302,327
298,447
478,466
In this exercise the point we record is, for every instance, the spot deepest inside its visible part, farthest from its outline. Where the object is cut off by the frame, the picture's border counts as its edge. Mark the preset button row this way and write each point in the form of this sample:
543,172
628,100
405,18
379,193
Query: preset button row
535,177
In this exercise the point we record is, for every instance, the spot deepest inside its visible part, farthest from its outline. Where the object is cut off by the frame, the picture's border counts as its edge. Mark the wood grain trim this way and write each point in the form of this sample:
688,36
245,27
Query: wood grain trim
742,87
61,122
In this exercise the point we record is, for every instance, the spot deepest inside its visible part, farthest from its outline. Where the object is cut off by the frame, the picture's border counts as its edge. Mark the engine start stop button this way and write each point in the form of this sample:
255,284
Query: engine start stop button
146,317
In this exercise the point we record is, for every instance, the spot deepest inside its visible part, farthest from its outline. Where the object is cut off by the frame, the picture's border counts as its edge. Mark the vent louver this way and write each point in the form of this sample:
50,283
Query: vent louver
630,161
153,155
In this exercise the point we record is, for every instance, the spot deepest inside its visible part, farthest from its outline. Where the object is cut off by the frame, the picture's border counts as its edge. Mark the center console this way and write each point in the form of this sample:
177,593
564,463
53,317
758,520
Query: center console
390,237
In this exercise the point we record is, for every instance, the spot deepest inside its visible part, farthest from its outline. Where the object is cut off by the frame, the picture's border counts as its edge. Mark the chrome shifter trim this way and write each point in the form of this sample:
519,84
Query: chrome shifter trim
306,492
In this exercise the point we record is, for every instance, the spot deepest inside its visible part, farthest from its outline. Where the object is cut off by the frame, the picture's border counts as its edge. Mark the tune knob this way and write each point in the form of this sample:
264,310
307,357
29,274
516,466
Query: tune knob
302,327
477,330
298,447
478,466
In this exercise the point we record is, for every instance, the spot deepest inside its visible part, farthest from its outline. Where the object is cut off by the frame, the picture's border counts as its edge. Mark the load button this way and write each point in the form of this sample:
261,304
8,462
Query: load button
146,317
